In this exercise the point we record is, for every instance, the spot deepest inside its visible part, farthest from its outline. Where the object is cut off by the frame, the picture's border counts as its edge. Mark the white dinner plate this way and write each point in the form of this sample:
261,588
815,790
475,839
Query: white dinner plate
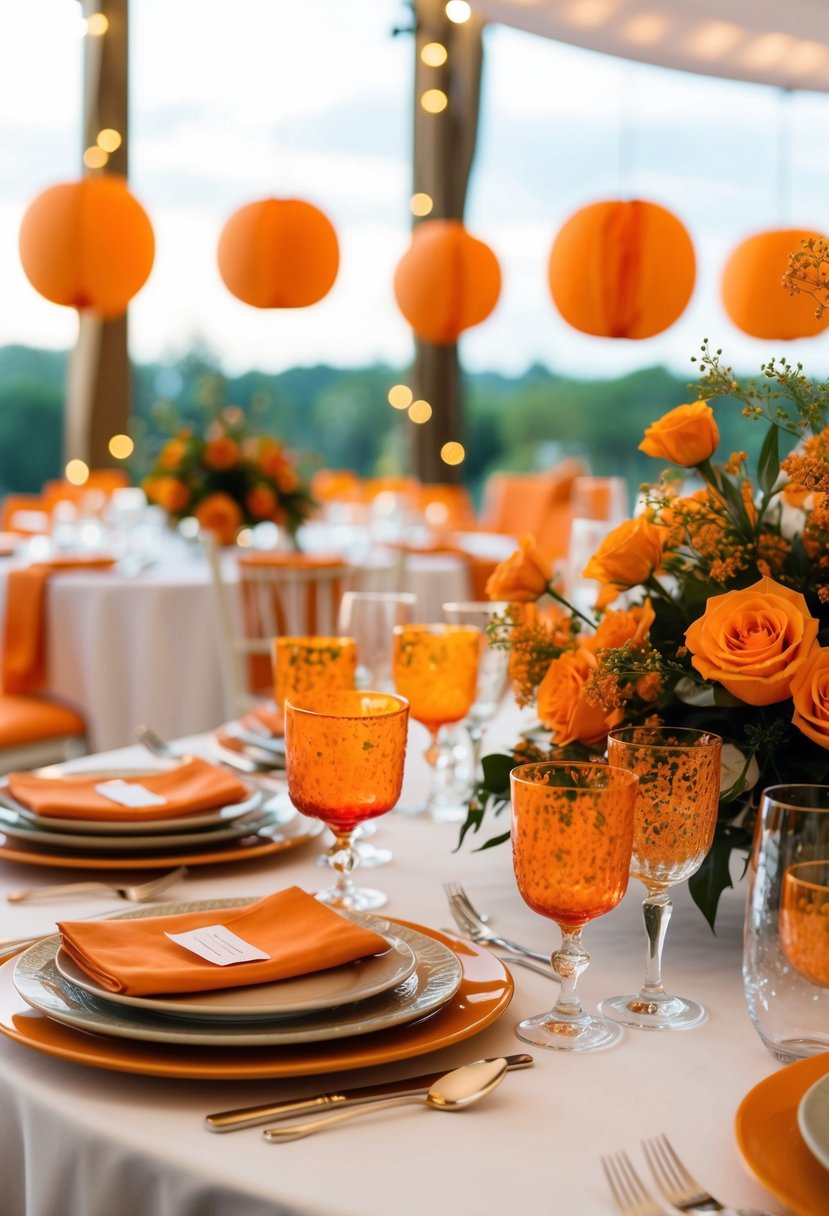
813,1120
245,825
356,981
435,980
111,827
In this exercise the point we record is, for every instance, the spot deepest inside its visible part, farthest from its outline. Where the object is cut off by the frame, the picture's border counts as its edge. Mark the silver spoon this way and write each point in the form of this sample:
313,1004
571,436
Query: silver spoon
452,1091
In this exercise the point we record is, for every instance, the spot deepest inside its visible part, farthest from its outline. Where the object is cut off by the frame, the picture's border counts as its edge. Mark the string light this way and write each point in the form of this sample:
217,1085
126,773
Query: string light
420,411
76,472
434,101
458,11
421,204
95,158
434,54
109,140
400,396
121,447
452,453
97,24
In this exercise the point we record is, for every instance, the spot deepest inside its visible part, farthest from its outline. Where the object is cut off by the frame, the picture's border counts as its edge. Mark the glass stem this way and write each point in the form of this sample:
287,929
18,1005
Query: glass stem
342,858
568,962
432,753
657,909
476,736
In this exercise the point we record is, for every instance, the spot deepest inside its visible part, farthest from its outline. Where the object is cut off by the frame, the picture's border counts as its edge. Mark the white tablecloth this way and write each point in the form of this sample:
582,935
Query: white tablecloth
125,650
83,1142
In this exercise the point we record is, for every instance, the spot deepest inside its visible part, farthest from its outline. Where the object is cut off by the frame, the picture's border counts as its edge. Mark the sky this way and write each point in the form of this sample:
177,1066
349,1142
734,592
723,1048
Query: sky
230,103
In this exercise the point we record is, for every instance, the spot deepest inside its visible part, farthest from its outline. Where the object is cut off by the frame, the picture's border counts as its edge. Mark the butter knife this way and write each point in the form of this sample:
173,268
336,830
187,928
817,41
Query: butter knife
251,1116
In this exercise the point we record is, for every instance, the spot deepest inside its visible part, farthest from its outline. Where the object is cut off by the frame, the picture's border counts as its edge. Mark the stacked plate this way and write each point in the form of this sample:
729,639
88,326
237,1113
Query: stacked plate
219,833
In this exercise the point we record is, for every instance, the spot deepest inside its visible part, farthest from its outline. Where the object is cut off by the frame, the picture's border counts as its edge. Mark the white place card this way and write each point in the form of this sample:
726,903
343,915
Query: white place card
127,793
218,944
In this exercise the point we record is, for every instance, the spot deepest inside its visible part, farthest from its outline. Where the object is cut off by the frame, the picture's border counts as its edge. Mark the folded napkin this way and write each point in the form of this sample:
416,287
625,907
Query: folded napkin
300,934
188,788
24,639
264,720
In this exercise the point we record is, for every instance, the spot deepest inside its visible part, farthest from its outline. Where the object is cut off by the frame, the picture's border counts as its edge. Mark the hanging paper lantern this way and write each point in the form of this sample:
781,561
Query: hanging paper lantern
753,294
446,282
279,253
622,269
87,244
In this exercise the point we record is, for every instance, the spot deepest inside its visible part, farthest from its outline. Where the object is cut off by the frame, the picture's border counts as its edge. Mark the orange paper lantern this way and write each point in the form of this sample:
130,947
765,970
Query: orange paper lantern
446,282
622,269
278,253
87,244
752,288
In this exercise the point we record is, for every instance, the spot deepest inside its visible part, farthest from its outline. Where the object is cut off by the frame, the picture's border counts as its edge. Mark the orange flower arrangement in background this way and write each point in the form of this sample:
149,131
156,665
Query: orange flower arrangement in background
725,607
227,479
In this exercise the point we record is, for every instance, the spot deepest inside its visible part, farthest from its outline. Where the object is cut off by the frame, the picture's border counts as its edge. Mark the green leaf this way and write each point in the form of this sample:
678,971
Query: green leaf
493,841
768,463
474,817
497,768
713,877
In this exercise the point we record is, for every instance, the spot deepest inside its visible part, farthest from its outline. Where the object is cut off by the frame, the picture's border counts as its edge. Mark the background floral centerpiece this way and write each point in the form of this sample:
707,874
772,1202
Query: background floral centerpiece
713,609
227,478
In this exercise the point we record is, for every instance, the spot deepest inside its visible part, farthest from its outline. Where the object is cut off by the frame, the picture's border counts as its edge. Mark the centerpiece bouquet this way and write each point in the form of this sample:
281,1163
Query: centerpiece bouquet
712,611
227,478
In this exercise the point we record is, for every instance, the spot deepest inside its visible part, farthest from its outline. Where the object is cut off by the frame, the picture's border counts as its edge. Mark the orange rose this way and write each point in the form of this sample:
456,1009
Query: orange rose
624,625
810,691
753,641
172,454
686,436
220,514
286,477
221,453
629,554
523,577
562,705
261,502
168,492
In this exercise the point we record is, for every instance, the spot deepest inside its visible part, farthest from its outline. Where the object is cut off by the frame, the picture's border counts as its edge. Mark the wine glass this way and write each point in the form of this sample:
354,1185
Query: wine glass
493,675
676,812
344,753
370,617
436,669
572,832
311,664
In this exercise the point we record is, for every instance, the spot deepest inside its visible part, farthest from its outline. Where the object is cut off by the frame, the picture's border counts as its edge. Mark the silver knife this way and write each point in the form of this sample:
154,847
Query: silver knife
250,1116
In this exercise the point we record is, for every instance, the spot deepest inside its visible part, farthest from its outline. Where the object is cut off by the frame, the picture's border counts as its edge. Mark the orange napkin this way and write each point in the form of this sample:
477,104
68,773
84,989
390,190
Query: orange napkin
188,788
24,640
269,717
299,933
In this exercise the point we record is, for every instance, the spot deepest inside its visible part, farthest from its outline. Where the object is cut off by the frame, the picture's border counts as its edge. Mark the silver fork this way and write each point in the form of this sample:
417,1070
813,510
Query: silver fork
678,1186
138,893
470,924
631,1196
153,742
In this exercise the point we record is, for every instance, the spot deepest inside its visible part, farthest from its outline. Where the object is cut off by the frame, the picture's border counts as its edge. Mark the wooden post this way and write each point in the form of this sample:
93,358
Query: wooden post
98,382
444,147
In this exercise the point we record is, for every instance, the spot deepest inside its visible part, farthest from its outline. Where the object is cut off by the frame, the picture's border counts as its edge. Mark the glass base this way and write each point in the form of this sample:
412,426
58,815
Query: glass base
355,899
582,1033
643,1013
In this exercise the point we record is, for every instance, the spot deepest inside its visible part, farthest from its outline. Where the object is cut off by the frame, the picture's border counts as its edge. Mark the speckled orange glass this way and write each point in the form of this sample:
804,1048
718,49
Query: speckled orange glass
804,919
344,755
312,664
676,813
436,670
572,832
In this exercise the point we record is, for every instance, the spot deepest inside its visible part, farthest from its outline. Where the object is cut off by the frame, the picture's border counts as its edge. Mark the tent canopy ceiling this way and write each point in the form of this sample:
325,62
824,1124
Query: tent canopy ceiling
776,42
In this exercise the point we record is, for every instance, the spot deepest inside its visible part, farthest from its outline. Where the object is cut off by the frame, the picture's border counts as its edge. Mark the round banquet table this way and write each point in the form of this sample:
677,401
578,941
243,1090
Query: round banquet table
80,1141
125,648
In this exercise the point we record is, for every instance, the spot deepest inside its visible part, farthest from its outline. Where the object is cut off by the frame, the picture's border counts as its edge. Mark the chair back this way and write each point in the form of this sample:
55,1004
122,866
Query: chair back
25,514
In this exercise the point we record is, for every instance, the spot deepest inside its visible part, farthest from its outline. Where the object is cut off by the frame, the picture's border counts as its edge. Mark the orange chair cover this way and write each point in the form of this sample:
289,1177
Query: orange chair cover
31,719
17,504
24,638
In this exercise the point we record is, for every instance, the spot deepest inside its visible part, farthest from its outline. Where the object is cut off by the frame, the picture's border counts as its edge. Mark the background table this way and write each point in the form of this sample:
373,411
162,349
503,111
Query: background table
83,1142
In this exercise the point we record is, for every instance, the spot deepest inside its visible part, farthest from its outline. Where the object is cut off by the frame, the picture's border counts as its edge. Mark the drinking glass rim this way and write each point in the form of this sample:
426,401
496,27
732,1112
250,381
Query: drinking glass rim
296,706
437,629
313,641
629,777
807,882
616,733
767,794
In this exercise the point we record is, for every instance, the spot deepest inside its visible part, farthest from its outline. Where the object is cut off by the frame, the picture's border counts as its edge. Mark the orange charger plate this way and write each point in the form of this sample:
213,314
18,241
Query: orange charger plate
770,1141
485,992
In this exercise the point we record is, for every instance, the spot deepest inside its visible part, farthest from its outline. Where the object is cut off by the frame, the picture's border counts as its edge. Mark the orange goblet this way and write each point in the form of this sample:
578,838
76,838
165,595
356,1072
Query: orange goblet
572,833
344,754
436,670
312,664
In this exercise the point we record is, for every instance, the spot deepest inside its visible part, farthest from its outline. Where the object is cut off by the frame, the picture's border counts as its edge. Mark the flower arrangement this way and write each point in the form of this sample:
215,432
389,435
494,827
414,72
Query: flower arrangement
713,605
227,478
